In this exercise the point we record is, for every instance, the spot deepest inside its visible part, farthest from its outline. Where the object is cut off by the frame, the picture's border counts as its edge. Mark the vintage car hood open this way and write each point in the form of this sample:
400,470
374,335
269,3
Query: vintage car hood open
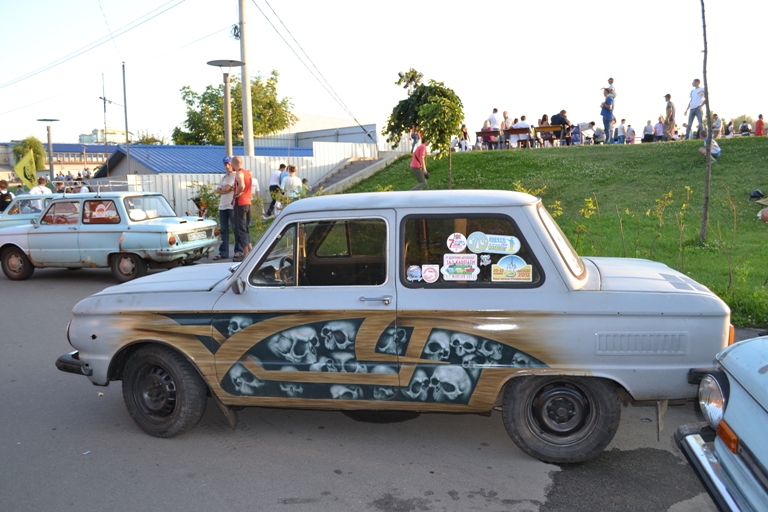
638,275
747,362
192,278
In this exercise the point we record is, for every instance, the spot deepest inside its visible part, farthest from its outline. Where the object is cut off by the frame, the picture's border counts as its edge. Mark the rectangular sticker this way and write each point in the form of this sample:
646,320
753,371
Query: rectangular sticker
460,267
512,269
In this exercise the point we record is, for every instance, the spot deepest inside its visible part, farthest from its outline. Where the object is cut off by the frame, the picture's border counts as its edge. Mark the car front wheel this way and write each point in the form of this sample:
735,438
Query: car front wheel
16,265
561,419
127,266
162,391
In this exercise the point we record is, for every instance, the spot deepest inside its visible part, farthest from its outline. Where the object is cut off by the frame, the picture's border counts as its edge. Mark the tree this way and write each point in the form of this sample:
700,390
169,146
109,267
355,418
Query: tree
145,137
708,157
21,149
740,119
205,112
437,112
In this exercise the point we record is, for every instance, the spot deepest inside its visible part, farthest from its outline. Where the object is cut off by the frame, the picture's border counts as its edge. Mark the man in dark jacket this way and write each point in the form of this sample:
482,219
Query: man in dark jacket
562,119
5,195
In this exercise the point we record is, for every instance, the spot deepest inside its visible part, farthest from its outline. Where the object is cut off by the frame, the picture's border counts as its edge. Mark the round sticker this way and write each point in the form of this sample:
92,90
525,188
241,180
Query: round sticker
430,273
457,242
477,241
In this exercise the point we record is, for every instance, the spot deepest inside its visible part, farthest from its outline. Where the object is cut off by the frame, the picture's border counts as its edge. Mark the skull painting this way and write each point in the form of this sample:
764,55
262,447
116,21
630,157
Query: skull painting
474,363
450,384
463,344
438,347
346,362
418,388
296,345
523,360
339,335
325,364
391,340
383,392
491,349
291,389
340,392
244,382
237,324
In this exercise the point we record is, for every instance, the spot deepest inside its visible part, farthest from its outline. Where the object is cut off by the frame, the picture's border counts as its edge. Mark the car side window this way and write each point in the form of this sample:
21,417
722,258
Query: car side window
100,212
442,251
63,212
346,252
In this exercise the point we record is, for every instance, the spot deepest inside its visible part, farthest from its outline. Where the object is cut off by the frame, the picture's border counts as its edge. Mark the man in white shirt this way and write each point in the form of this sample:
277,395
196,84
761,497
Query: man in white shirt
694,105
291,185
274,186
525,137
506,124
226,210
84,188
39,189
622,129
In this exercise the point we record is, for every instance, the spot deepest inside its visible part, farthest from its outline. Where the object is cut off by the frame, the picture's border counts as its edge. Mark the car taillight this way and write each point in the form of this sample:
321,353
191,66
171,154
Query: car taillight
731,335
728,437
171,239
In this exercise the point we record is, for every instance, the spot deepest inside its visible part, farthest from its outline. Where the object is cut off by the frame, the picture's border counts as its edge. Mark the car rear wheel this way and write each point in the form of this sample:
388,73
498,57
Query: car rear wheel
16,265
127,266
561,419
163,392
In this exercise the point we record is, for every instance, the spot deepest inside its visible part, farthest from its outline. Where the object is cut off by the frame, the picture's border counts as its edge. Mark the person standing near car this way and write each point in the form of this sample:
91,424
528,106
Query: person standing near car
226,211
6,196
241,202
39,189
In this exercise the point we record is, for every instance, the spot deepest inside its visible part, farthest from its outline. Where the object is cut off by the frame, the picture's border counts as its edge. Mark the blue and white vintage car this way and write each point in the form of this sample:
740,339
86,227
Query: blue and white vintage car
729,452
449,301
128,232
24,208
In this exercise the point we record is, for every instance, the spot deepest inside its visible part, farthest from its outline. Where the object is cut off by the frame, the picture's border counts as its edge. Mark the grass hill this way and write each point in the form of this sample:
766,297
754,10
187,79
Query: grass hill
641,200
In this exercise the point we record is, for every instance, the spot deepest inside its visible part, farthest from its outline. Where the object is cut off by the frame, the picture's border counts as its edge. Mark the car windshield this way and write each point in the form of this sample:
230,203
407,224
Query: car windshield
148,207
565,248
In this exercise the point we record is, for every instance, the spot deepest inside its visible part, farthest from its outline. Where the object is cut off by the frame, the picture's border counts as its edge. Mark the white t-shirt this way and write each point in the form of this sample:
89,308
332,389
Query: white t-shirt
697,97
225,202
522,124
494,119
648,129
622,130
254,187
40,189
274,179
507,123
84,189
291,186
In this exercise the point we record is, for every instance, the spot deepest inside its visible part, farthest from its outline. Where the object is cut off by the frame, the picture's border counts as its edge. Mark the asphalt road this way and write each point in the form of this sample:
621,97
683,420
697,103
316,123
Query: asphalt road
68,445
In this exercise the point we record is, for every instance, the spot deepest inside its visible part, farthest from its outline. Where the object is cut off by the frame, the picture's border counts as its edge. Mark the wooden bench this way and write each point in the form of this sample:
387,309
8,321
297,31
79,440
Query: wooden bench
488,133
555,128
520,131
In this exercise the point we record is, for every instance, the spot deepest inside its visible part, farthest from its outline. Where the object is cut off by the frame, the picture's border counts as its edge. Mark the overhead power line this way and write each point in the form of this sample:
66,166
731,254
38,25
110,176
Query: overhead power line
122,30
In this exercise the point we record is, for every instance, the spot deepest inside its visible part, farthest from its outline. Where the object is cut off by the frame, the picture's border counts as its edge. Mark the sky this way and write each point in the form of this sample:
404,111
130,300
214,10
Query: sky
529,58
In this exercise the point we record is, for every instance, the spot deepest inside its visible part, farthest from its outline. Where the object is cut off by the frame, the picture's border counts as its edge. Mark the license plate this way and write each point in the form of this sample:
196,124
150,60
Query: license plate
196,235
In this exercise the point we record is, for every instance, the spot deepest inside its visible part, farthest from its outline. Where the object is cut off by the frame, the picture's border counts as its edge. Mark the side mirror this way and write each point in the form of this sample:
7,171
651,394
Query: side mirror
238,287
35,222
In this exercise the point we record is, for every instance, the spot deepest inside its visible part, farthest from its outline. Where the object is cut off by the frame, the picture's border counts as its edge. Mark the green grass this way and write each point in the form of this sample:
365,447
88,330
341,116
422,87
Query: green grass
633,179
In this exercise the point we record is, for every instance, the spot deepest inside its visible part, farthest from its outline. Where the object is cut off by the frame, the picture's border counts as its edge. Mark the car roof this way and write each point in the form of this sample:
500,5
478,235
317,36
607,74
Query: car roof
111,194
416,199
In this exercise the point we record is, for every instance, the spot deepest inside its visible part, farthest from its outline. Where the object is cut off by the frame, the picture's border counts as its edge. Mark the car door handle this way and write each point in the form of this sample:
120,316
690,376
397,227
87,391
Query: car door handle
73,229
387,300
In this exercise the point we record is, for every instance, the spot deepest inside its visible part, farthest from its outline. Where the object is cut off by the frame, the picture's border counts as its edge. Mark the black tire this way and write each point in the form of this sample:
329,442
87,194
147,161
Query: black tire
163,392
561,419
16,265
127,266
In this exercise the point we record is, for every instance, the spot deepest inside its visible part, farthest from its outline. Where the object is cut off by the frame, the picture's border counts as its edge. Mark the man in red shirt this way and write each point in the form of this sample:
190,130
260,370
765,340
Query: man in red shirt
759,127
419,165
242,206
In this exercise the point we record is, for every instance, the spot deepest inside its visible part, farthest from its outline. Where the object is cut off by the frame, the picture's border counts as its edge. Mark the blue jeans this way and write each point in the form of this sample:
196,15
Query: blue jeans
415,139
607,128
691,113
227,218
622,138
242,222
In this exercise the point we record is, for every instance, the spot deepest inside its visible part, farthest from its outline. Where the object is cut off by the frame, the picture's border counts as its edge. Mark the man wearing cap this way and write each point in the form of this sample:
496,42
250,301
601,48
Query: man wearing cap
694,105
39,189
241,201
226,211
669,118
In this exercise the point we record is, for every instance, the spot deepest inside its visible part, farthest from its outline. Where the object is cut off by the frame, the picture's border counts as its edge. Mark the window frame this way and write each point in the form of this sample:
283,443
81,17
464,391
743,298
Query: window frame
583,266
532,259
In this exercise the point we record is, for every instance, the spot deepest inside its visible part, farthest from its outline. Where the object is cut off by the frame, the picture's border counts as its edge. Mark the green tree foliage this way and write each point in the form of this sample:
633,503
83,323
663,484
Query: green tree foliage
205,112
437,112
22,148
145,137
740,119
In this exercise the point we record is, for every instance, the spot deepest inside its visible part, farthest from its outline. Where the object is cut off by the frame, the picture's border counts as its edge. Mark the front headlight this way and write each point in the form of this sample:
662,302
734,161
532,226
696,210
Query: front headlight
713,397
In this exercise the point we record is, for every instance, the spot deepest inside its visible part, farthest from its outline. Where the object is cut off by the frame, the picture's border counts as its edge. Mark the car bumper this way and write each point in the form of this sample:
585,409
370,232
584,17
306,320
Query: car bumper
71,363
194,252
690,439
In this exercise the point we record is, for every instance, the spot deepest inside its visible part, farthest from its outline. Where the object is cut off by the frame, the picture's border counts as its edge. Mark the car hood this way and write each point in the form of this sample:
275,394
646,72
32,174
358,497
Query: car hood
637,275
747,362
191,278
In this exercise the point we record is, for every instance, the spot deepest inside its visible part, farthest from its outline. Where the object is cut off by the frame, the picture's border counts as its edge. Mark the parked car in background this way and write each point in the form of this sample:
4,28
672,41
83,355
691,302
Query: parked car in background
443,301
128,232
729,452
23,208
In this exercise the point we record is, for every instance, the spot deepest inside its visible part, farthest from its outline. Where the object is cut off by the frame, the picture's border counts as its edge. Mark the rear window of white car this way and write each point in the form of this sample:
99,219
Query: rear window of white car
442,251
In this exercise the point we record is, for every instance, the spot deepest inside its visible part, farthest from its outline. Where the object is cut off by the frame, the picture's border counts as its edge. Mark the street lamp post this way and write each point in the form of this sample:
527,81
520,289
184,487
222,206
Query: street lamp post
50,146
227,101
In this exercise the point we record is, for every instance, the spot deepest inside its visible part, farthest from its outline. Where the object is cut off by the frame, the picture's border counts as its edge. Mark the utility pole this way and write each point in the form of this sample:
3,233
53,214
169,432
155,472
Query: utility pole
246,87
50,146
106,144
127,142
